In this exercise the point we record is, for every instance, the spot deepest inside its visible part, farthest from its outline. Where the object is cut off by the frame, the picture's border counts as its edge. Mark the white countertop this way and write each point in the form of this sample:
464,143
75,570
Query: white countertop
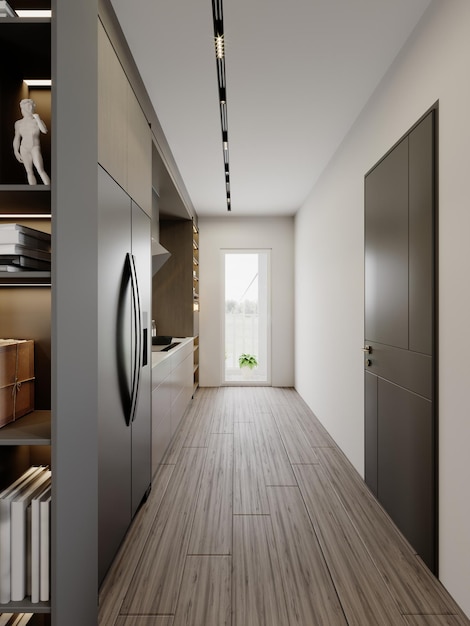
158,356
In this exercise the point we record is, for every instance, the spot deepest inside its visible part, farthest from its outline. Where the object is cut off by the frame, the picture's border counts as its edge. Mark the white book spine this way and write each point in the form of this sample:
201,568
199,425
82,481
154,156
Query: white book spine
19,534
5,551
35,550
45,550
5,530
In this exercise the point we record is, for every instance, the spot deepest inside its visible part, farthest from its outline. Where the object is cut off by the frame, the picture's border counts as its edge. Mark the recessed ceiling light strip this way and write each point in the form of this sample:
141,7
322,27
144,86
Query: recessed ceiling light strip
219,40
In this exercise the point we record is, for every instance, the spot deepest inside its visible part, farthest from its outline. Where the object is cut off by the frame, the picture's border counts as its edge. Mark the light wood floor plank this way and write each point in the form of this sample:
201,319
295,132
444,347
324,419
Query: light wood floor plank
145,620
244,402
410,582
310,594
276,549
222,422
190,416
212,525
435,620
155,586
115,585
348,561
276,466
316,434
249,490
200,426
205,597
258,593
279,396
295,442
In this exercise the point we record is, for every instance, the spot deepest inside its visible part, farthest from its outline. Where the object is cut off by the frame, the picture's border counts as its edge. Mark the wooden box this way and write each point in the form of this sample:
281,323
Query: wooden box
16,379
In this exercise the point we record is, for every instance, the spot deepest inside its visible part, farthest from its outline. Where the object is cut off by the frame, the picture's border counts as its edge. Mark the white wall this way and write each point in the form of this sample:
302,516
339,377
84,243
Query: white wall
216,234
434,65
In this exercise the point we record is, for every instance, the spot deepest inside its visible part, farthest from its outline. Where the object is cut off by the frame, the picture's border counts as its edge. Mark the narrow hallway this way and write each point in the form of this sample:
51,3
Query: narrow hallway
256,518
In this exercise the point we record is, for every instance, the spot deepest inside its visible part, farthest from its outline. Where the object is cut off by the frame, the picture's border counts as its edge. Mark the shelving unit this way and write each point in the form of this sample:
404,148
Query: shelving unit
25,312
196,305
176,285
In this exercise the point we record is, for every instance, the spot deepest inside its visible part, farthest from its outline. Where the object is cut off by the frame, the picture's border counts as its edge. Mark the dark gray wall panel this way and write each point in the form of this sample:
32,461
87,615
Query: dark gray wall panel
421,273
141,427
400,329
74,319
386,263
115,334
411,370
406,465
371,432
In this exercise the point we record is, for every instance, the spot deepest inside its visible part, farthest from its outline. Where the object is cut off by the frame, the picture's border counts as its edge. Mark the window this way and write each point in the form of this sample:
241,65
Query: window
247,316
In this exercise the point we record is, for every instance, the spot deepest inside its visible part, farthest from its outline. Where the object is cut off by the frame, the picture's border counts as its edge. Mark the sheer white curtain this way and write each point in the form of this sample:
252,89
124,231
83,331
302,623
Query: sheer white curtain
247,316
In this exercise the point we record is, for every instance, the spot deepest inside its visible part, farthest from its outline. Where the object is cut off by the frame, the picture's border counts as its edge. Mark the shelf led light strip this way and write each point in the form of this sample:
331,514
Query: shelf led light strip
38,82
218,19
33,13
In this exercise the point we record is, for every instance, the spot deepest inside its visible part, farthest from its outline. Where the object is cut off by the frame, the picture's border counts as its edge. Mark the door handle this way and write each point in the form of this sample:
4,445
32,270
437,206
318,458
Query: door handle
137,337
367,349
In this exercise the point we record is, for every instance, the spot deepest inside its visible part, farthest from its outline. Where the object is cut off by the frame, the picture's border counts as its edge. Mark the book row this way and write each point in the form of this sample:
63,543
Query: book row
25,512
24,249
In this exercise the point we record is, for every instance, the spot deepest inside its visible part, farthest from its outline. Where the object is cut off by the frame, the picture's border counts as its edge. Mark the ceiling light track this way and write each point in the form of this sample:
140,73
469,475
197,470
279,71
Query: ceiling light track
219,39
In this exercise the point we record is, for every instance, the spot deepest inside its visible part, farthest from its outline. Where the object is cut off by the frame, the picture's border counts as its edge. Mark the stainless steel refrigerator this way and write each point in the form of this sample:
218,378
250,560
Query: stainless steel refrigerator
124,286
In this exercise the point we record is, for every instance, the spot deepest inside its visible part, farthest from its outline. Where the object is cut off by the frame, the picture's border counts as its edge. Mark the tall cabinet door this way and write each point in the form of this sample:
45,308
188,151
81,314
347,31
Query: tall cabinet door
141,425
115,371
400,413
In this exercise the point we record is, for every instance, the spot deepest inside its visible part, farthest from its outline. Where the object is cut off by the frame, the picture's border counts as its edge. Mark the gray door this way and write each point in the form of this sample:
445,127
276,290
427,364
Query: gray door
400,412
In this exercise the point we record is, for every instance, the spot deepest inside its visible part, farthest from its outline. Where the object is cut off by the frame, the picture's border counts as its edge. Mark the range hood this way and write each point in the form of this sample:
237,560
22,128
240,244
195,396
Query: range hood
160,256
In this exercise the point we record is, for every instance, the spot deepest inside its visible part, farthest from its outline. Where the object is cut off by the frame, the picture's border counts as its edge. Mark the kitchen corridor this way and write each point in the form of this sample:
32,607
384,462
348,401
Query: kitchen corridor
256,518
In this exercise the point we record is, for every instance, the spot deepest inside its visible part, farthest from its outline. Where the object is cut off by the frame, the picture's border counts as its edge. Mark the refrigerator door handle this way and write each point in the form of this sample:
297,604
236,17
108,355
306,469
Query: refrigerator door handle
137,332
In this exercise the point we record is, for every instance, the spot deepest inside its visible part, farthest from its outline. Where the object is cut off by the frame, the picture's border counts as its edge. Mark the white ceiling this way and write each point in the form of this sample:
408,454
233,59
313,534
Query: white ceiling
298,74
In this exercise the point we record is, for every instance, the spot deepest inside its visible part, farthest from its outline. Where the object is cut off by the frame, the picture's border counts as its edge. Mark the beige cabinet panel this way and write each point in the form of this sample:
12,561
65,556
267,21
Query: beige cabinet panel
139,154
112,111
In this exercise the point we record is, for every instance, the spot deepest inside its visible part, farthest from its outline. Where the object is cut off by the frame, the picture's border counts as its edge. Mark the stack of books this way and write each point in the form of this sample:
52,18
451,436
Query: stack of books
24,249
25,513
6,11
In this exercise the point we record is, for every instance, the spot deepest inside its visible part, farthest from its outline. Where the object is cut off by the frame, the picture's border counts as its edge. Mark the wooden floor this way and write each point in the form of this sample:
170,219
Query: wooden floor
256,518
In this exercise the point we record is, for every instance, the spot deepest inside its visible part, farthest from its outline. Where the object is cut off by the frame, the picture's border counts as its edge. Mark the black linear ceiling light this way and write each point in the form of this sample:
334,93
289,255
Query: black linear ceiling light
218,18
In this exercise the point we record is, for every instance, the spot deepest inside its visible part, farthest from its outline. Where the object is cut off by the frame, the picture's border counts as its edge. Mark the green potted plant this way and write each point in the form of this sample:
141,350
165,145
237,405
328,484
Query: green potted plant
247,362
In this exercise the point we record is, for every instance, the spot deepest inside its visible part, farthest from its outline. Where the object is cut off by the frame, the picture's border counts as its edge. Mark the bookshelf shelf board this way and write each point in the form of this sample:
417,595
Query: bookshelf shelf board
25,200
23,279
25,606
33,429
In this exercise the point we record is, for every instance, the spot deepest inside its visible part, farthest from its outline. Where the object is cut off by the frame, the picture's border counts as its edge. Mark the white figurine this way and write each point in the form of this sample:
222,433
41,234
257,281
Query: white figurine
26,144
